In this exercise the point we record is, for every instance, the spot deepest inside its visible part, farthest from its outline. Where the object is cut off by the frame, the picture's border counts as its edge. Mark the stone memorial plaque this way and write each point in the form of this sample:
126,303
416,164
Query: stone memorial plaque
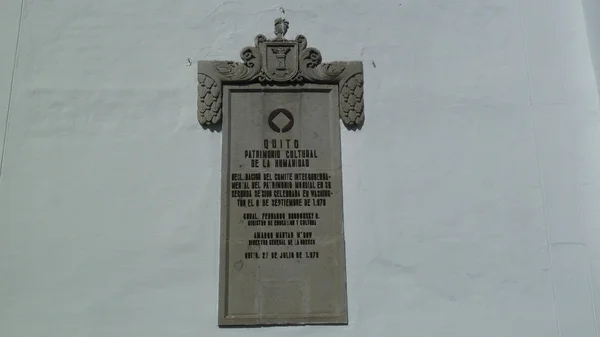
282,254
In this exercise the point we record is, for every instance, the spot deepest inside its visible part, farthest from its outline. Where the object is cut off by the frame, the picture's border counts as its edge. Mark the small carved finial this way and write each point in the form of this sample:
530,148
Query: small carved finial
281,28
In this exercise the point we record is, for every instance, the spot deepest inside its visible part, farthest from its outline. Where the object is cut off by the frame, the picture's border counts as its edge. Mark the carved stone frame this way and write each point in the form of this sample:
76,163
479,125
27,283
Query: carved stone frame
303,66
271,67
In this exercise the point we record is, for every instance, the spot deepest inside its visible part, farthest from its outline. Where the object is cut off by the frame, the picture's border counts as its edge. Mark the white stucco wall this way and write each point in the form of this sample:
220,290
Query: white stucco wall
471,193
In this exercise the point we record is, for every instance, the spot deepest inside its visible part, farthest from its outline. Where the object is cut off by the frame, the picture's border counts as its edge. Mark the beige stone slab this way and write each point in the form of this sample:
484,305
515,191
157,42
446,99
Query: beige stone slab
282,242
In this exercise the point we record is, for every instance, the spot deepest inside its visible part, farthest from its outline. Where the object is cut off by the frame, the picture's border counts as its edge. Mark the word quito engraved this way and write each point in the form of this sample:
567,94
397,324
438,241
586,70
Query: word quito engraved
282,238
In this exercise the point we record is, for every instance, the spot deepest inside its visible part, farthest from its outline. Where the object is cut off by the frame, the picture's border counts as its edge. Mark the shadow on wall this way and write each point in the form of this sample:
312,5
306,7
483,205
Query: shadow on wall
591,10
213,127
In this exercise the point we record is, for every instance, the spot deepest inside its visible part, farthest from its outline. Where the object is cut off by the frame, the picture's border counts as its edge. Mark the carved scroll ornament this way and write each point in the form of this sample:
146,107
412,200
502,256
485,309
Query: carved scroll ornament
282,62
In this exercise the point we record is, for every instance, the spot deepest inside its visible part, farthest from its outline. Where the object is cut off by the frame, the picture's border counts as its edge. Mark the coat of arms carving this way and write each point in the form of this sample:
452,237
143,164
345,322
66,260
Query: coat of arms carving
279,61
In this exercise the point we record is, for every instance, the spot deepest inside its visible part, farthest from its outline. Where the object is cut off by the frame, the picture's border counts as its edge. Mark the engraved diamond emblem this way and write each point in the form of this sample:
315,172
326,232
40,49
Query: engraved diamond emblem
281,120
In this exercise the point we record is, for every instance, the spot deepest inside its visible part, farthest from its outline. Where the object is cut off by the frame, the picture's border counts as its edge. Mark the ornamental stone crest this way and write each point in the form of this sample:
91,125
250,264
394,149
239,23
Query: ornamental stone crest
280,62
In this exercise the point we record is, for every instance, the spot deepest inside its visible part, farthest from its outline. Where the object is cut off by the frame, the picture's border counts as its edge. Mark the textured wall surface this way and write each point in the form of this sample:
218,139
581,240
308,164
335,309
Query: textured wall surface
471,193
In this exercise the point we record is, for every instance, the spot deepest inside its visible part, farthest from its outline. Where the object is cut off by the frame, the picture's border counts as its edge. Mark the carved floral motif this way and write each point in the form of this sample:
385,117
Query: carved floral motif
351,100
279,61
209,100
